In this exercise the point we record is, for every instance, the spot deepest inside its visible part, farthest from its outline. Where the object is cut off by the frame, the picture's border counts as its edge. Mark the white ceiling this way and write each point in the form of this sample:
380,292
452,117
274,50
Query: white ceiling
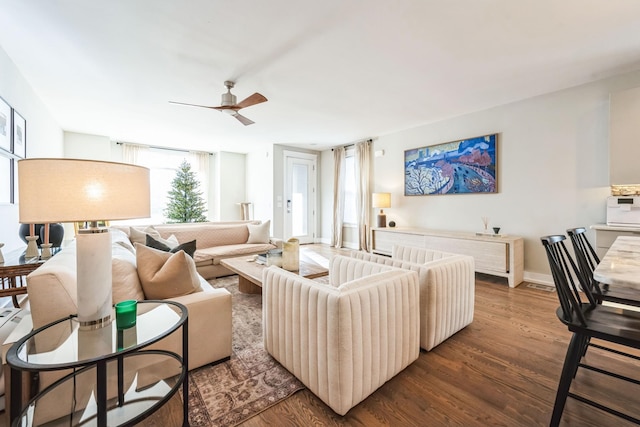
334,71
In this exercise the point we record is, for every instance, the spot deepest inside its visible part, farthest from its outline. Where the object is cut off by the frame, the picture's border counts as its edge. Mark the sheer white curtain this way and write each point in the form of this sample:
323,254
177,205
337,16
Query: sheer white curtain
363,192
338,195
134,153
200,162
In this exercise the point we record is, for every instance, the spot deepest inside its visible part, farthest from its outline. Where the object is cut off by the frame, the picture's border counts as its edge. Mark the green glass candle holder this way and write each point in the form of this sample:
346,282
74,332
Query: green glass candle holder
126,312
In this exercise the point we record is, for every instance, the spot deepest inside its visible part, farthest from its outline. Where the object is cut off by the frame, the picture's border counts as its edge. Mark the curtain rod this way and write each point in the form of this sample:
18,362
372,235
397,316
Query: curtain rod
354,143
156,147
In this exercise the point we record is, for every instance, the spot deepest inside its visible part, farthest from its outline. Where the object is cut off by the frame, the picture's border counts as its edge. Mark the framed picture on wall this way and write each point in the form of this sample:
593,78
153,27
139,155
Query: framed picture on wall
19,135
5,125
457,167
6,180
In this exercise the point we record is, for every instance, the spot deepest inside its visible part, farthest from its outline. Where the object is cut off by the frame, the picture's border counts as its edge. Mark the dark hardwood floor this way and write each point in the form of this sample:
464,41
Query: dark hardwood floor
502,370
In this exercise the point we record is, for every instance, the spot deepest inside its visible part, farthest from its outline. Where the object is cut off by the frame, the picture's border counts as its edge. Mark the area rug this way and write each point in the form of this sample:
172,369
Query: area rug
231,392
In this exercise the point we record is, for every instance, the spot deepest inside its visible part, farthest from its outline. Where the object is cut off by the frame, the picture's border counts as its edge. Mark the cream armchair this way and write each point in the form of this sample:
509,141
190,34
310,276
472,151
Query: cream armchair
345,339
447,289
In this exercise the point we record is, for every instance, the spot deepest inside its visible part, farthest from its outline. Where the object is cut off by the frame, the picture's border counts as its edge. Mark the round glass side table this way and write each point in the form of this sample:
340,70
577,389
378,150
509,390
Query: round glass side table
103,376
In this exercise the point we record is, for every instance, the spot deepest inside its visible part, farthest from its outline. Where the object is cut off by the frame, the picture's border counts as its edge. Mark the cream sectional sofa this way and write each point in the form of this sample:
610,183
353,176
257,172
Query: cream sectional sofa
52,295
214,241
447,289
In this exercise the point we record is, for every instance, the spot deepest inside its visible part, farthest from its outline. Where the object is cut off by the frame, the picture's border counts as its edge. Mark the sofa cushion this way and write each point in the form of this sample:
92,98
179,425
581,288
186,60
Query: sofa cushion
188,247
259,233
206,234
213,255
164,275
126,284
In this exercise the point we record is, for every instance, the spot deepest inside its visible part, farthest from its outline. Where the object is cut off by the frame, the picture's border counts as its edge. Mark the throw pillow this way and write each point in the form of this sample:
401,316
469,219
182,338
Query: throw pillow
259,233
188,247
164,275
137,236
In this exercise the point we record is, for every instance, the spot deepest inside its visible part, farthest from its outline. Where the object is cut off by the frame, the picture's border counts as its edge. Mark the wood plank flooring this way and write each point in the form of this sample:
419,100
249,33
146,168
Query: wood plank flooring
502,370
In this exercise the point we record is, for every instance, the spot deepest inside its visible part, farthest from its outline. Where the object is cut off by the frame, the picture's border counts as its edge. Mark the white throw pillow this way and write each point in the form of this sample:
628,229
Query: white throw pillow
137,236
259,233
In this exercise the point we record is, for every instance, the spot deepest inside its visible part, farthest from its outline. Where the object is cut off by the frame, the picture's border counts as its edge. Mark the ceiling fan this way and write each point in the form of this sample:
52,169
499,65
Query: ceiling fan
230,105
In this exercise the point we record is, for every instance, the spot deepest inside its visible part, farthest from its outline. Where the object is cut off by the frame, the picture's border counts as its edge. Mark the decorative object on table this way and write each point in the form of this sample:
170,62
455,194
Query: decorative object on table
1,256
56,233
485,222
126,312
32,243
274,257
6,125
93,191
392,224
19,146
496,230
291,254
381,200
464,166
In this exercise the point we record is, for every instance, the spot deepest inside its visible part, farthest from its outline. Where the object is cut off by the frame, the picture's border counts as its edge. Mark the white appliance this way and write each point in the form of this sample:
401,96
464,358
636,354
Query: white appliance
623,211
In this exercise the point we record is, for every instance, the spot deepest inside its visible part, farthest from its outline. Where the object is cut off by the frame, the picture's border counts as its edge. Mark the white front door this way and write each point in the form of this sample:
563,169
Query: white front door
300,196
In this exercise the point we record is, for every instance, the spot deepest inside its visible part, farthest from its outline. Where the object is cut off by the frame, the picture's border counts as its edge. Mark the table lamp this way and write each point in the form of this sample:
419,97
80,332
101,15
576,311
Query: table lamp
381,200
73,190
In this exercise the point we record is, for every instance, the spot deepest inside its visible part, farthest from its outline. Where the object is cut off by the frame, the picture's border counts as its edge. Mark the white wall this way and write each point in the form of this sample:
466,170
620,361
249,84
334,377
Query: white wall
231,185
260,183
553,171
44,138
90,147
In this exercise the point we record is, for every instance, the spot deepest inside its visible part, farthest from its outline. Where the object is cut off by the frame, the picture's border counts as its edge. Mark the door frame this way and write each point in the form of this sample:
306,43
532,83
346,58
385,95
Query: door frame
313,198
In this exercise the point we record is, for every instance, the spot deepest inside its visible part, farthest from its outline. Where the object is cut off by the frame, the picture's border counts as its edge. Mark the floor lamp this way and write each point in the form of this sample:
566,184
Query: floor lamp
381,200
71,190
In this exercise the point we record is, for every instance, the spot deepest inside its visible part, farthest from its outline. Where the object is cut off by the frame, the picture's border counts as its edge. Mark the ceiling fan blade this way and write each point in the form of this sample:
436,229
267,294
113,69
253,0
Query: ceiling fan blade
245,121
254,99
192,105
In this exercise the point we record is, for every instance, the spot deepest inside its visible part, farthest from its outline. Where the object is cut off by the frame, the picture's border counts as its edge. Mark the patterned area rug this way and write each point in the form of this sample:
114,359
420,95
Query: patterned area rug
229,393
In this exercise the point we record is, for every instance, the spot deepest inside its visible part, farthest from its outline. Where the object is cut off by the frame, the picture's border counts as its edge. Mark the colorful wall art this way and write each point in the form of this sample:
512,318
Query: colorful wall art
458,167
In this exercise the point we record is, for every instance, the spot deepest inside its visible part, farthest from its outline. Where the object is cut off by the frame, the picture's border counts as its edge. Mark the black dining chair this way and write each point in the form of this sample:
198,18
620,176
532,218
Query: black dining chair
587,260
586,318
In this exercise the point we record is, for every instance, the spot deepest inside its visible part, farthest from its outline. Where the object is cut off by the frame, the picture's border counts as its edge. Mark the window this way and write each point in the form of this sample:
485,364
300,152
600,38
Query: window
350,216
163,165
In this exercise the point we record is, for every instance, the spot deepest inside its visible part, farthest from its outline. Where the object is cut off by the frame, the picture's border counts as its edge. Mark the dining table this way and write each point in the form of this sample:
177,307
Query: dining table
620,266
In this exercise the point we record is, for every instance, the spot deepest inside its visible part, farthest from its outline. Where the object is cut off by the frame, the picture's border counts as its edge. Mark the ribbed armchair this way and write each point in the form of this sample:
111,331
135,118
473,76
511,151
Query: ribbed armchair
447,289
345,339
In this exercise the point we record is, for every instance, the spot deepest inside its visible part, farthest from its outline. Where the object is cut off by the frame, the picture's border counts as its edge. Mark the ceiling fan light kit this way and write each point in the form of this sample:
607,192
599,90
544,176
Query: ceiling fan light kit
230,105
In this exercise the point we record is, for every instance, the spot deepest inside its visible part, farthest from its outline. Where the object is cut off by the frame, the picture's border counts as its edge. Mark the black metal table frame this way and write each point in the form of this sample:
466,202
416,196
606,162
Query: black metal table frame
17,365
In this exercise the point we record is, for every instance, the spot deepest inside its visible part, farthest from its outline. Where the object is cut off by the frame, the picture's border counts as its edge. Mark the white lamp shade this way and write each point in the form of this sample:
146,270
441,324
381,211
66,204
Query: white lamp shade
70,190
381,200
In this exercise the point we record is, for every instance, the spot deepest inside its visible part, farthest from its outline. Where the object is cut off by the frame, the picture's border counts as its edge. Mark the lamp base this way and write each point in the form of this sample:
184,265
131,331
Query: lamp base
32,247
382,220
93,259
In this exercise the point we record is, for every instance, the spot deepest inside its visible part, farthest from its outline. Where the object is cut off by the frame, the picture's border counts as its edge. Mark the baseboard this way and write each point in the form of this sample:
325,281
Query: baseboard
541,279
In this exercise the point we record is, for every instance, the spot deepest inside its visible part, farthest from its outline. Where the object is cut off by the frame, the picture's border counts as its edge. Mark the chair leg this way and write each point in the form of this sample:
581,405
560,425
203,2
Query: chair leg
585,345
574,354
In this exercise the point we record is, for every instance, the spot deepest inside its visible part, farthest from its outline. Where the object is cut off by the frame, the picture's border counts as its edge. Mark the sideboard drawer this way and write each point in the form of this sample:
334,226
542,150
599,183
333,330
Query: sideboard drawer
488,256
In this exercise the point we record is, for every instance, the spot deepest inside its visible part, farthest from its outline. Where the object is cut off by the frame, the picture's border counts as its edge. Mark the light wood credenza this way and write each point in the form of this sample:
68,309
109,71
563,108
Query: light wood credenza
495,255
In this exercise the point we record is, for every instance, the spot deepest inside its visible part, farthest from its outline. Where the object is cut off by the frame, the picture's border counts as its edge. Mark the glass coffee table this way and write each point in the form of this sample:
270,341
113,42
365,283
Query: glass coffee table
103,376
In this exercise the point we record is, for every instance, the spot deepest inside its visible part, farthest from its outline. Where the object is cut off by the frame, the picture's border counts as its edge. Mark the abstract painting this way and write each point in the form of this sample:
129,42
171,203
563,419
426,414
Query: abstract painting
458,167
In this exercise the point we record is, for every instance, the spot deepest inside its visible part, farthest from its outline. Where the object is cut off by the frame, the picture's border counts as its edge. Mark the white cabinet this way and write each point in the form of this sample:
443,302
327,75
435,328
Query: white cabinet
499,256
607,234
624,129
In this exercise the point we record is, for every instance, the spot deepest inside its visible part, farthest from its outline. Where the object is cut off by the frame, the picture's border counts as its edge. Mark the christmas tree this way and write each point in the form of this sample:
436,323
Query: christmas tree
185,200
